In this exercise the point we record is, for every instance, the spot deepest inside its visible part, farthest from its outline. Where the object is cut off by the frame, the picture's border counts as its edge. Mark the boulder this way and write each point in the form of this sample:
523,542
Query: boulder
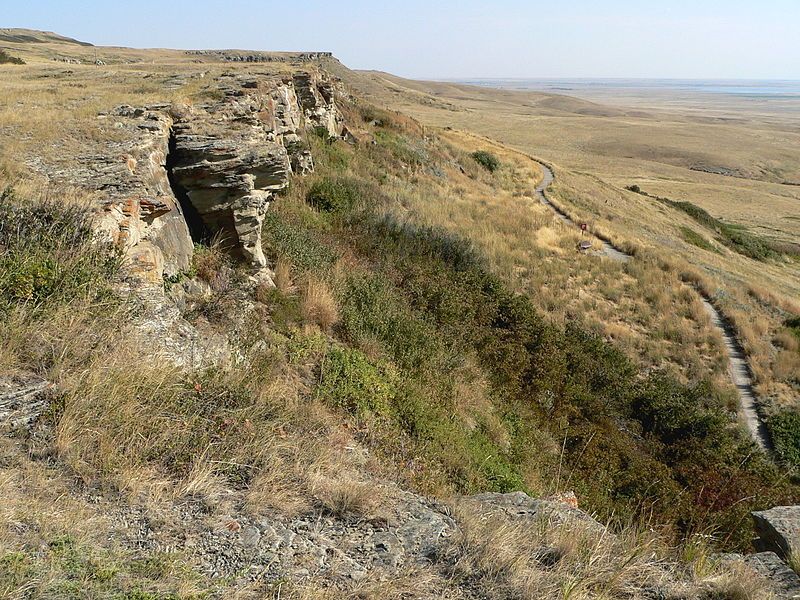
783,582
778,530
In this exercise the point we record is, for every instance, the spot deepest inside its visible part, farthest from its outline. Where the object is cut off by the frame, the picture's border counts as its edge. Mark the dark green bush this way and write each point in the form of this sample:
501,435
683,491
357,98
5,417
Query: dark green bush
487,160
785,430
338,195
48,253
7,59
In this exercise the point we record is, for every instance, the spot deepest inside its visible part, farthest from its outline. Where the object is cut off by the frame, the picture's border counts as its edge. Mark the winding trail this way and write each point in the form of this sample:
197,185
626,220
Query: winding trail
738,368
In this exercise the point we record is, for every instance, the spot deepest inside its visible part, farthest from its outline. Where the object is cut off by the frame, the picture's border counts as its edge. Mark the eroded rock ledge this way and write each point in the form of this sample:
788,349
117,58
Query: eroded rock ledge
190,173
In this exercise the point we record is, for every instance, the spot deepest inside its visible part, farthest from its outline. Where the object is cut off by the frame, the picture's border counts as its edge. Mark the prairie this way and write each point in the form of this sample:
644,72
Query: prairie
432,326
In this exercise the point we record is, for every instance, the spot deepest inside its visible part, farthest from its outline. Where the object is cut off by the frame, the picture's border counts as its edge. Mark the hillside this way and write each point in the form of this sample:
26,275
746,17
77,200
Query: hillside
264,337
710,199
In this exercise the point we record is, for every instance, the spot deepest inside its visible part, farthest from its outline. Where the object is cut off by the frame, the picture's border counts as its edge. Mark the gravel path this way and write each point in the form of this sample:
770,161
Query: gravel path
738,369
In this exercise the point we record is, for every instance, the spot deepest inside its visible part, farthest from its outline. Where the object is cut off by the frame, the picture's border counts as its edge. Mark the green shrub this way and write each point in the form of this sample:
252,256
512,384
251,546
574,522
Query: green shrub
48,253
487,160
290,240
735,237
350,381
322,133
338,194
694,238
372,309
785,430
7,59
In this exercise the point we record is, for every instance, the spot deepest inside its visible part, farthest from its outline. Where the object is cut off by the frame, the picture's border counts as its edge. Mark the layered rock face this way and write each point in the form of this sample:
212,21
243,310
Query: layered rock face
194,173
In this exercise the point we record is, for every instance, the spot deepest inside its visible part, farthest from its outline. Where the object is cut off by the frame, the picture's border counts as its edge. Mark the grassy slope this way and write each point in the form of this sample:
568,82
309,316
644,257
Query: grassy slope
598,151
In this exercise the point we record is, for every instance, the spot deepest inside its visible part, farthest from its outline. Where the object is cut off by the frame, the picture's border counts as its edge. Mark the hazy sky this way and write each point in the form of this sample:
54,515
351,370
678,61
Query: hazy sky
458,38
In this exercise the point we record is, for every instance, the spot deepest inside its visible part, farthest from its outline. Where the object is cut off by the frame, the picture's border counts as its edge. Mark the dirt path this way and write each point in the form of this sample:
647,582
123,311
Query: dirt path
738,369
606,248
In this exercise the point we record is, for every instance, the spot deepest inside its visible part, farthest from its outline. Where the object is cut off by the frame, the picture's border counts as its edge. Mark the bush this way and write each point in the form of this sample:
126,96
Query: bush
694,238
337,195
7,59
785,430
487,160
291,241
350,381
48,253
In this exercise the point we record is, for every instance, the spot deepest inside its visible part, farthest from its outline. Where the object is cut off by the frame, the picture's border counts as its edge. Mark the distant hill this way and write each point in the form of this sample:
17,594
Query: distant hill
34,36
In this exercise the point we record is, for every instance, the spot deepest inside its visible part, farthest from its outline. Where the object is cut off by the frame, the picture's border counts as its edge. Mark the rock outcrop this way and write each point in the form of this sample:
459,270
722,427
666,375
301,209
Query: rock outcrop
216,168
778,530
783,582
172,175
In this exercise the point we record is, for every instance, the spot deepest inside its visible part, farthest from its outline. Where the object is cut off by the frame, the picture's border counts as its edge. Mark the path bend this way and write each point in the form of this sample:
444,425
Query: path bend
738,367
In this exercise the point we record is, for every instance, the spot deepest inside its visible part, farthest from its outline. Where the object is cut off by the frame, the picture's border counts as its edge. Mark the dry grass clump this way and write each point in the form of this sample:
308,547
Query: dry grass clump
344,496
318,304
283,276
548,559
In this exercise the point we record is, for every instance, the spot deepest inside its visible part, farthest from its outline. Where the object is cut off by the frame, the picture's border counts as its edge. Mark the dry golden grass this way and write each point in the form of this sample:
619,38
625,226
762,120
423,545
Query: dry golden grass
318,304
283,276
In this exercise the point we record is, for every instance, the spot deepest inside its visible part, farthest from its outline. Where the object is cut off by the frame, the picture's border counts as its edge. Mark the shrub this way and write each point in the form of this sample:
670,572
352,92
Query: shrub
336,194
785,430
373,309
350,381
487,160
694,238
48,253
7,59
296,244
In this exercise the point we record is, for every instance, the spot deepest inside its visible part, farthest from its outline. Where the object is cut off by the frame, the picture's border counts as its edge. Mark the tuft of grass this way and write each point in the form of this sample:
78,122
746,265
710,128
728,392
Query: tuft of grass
319,305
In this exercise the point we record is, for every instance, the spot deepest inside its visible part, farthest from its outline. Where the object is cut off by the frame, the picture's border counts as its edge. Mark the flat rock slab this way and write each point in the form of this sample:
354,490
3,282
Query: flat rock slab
22,400
784,582
778,529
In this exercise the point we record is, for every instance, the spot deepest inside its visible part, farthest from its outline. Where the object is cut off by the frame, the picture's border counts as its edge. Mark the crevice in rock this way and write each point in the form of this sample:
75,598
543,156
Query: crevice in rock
197,228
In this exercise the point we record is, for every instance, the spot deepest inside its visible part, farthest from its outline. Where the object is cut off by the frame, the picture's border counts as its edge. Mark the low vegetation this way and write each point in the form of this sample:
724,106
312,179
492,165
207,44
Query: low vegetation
402,324
736,237
7,59
487,160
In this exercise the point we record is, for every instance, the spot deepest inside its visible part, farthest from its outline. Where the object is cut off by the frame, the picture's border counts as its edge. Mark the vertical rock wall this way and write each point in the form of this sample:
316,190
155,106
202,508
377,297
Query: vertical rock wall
227,160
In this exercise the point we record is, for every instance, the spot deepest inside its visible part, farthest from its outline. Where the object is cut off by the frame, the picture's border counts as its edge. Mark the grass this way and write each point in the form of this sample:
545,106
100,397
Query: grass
7,59
417,299
735,237
692,237
597,149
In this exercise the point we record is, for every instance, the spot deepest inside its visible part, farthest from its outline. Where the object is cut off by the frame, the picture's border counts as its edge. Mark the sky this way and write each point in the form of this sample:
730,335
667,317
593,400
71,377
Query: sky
722,39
